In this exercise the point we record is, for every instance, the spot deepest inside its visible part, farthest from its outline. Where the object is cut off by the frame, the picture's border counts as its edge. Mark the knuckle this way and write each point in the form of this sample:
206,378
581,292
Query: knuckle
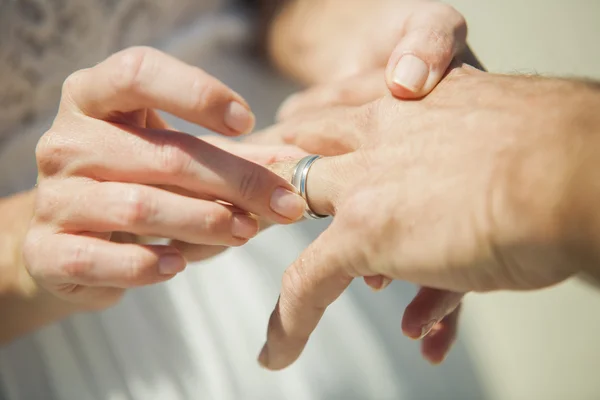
357,213
202,92
77,261
71,83
251,182
52,153
216,222
170,158
138,208
137,268
131,66
47,197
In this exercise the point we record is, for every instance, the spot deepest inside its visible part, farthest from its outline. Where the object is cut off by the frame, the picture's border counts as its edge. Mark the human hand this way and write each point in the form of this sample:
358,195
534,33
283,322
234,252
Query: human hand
416,39
109,164
464,190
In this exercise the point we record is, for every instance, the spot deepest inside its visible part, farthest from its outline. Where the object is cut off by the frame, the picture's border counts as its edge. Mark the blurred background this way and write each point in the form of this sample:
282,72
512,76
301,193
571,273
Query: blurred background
546,344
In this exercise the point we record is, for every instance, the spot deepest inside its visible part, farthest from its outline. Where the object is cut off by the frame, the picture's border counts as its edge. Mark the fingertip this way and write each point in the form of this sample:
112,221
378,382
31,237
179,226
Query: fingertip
287,204
238,118
417,331
435,348
171,264
263,357
377,283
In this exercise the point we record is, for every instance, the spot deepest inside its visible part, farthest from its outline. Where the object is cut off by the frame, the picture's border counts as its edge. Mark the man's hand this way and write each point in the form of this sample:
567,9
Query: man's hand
476,187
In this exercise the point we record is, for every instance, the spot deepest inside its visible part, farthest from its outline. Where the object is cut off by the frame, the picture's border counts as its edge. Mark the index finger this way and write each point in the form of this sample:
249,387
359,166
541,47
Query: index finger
141,77
316,279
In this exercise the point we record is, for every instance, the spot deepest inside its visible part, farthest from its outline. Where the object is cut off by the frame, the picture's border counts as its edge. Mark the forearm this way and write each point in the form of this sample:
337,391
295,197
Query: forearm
23,305
563,173
581,207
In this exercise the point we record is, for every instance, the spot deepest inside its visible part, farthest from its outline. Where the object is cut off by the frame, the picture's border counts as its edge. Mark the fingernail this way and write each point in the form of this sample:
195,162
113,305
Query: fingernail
411,73
243,226
385,282
425,329
263,357
169,264
287,204
239,118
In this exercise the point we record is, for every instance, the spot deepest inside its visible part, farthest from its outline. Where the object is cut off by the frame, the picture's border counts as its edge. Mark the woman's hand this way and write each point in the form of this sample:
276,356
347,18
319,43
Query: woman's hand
110,165
406,44
472,188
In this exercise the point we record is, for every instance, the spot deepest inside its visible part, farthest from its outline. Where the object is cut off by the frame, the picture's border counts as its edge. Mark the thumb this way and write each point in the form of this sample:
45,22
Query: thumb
327,180
433,36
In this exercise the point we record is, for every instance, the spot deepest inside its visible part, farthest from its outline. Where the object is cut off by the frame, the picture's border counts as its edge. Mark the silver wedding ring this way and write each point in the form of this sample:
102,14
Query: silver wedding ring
299,178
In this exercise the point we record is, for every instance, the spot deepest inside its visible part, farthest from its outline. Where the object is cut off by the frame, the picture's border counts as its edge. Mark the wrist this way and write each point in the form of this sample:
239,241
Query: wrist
24,306
547,215
17,212
580,211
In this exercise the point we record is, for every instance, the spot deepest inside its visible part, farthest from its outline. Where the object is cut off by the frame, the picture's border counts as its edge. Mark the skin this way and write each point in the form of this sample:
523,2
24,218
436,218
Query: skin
432,316
477,188
63,256
326,50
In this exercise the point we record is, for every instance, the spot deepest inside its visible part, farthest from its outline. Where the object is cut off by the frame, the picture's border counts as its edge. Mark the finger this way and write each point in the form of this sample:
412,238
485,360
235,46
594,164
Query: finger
326,180
332,132
90,261
197,252
354,91
149,211
155,157
427,309
378,282
437,344
259,154
141,77
433,36
309,285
